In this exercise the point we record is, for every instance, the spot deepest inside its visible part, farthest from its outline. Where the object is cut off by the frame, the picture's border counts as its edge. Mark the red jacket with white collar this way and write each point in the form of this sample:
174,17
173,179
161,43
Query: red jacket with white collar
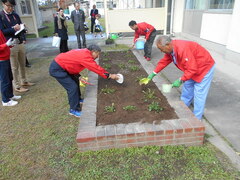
76,60
4,49
144,29
191,58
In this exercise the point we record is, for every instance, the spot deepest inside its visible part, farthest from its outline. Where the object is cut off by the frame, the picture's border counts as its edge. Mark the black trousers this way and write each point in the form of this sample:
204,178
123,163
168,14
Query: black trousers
63,46
148,44
69,82
92,24
6,78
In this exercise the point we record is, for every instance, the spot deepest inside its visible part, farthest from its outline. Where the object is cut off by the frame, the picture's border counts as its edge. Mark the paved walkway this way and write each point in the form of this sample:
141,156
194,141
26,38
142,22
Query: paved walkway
222,111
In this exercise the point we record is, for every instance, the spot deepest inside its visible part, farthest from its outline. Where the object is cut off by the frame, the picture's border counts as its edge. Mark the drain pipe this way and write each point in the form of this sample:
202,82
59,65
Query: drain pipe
172,18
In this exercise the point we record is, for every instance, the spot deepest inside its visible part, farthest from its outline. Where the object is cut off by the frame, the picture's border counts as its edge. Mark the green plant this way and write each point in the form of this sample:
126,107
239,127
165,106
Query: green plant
134,68
139,78
107,90
110,109
154,106
106,59
131,61
130,108
149,94
122,66
106,66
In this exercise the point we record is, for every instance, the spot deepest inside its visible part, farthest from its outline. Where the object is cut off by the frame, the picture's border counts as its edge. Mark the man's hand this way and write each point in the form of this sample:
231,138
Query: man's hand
16,27
113,76
10,42
177,83
148,79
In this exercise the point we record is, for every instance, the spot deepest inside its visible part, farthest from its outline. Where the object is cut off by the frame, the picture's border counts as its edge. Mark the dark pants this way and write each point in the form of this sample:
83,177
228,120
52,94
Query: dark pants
63,46
69,82
148,44
92,24
6,78
82,34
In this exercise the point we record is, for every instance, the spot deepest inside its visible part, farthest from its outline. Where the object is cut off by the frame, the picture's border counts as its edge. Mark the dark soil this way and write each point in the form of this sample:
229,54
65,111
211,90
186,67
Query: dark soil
128,93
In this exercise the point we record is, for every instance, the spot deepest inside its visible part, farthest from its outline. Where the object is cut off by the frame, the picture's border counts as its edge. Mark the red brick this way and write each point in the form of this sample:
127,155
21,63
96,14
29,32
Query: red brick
131,140
178,131
122,136
130,135
199,129
169,131
150,138
106,143
200,134
151,133
159,132
86,137
157,138
141,139
101,138
169,137
140,134
169,142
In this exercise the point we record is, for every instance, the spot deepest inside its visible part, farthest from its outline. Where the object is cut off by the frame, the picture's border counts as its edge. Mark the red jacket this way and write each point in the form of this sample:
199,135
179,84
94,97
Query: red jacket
4,49
144,29
76,60
194,60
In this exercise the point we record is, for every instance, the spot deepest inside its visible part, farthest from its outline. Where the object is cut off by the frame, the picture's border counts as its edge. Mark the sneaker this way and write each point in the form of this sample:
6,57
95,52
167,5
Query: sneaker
75,113
21,89
81,101
148,59
16,97
28,84
10,103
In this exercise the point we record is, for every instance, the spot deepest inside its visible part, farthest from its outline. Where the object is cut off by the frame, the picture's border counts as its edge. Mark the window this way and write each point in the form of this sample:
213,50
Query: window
25,7
196,4
221,4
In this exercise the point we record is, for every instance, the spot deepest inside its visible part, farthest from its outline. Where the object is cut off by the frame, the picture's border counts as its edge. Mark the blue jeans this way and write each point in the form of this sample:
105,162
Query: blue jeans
197,93
69,82
6,78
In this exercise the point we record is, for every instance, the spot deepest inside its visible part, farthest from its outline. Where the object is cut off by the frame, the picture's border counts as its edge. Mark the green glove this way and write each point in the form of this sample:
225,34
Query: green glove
151,75
177,83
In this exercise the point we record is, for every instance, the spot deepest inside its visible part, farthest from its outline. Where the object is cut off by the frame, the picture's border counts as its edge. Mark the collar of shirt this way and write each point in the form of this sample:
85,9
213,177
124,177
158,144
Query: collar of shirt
6,12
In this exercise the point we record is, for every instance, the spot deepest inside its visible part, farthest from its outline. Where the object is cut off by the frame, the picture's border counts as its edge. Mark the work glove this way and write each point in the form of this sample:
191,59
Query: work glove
177,83
148,79
10,42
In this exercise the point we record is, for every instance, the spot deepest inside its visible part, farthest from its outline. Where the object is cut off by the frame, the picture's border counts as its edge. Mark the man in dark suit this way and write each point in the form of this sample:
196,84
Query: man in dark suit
93,14
78,19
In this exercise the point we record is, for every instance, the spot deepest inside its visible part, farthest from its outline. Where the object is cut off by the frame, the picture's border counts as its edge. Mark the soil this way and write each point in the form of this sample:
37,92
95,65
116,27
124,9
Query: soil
130,93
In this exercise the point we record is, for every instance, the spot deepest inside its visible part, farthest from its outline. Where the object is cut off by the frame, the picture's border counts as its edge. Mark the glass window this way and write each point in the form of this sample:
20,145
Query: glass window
221,4
196,4
99,5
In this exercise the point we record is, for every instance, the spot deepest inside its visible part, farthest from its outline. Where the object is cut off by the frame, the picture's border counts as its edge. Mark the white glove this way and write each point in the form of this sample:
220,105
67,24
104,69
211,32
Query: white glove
10,42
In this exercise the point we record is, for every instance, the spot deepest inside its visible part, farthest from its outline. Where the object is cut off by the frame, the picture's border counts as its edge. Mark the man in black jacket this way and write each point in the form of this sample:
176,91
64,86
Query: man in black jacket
11,23
93,14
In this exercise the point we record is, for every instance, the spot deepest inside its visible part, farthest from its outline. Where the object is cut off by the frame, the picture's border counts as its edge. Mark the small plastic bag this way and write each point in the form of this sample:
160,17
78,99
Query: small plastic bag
56,41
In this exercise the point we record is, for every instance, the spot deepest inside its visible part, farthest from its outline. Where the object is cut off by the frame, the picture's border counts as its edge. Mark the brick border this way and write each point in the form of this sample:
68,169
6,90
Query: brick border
186,130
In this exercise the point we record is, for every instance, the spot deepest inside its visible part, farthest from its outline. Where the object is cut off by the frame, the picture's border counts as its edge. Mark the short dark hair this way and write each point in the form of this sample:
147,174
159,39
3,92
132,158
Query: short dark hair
12,2
60,9
132,23
94,47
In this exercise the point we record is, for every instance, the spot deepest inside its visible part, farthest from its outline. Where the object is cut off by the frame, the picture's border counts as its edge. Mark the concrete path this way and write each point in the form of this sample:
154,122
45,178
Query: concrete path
222,110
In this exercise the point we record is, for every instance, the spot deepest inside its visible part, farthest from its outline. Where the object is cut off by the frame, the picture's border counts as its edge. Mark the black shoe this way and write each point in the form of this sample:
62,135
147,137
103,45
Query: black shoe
28,65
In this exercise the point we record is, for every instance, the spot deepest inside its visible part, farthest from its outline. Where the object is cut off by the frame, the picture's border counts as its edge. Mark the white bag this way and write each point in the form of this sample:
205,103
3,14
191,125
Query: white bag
56,41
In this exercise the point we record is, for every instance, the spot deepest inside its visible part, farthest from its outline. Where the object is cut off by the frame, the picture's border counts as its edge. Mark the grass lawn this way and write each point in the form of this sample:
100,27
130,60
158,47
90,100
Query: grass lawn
48,32
37,141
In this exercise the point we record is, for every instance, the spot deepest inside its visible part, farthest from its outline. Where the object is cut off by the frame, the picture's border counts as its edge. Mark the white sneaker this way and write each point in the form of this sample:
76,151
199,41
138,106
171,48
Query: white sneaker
16,97
10,103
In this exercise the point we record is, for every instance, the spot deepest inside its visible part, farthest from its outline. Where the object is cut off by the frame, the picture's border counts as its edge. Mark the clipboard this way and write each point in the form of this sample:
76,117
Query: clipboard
22,27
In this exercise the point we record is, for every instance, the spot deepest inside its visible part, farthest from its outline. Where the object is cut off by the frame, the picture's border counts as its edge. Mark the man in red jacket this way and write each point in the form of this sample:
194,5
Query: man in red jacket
146,30
6,73
66,68
197,66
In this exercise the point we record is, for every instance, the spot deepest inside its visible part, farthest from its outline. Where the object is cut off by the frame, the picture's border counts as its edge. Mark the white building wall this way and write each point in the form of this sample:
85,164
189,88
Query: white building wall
178,15
233,42
215,27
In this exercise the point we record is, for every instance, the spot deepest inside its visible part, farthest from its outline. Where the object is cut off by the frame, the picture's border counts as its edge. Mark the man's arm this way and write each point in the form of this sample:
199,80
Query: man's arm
72,16
7,31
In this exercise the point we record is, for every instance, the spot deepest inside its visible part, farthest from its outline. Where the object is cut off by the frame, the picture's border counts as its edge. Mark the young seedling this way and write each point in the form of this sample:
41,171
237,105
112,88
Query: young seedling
107,90
110,109
149,95
106,66
130,108
154,106
106,59
131,62
139,78
134,68
122,66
